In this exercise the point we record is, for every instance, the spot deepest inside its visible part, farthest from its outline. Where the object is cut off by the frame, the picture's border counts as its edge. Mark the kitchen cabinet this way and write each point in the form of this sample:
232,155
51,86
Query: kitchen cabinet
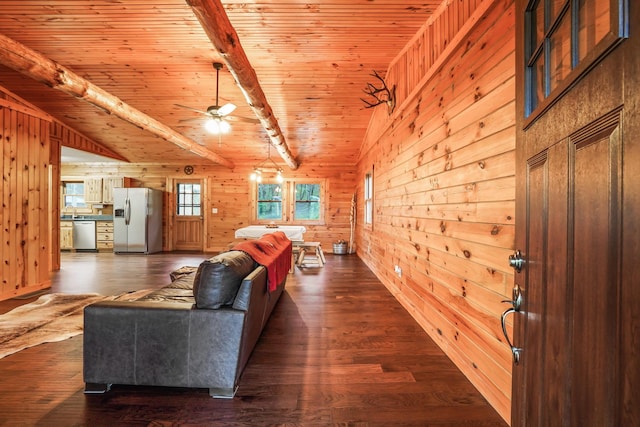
93,190
66,235
108,184
104,235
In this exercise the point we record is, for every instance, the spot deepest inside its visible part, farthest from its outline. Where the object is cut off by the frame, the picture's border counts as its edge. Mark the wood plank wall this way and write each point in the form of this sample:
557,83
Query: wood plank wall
229,192
73,139
25,198
444,187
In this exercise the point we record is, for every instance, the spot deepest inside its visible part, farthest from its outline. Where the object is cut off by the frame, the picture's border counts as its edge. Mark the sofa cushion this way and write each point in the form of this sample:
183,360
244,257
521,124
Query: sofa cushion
182,271
183,282
169,295
218,279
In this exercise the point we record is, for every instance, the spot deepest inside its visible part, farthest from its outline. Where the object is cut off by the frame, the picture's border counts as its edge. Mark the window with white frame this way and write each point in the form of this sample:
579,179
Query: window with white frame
189,200
307,202
73,195
269,202
368,198
292,201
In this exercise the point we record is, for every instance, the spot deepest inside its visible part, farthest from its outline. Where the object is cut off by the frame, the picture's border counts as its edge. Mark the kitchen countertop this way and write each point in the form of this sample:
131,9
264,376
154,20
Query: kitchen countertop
87,218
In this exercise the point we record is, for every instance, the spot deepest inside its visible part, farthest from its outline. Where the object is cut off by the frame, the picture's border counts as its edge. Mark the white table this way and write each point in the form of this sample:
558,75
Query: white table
293,232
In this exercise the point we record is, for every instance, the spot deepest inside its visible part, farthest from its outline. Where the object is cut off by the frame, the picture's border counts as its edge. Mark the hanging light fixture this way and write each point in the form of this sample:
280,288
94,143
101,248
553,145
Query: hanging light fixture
217,126
267,165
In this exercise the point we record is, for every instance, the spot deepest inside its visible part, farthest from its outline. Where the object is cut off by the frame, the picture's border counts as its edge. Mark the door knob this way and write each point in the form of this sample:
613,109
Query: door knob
516,300
516,303
515,351
516,261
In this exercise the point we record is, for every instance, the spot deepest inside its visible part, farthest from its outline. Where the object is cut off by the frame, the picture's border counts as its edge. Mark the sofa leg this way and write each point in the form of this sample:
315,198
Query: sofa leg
223,393
96,388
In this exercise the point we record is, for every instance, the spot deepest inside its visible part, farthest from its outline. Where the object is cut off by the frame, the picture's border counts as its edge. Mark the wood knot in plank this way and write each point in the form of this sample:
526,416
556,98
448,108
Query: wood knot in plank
231,40
477,95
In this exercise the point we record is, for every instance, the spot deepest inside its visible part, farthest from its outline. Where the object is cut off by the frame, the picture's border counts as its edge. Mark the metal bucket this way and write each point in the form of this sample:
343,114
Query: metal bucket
340,248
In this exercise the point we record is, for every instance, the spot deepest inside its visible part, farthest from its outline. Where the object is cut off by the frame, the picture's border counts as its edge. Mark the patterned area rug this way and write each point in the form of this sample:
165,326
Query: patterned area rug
50,318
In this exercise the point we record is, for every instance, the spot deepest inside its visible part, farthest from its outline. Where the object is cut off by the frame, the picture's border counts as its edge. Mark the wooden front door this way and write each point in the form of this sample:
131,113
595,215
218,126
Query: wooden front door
578,202
189,220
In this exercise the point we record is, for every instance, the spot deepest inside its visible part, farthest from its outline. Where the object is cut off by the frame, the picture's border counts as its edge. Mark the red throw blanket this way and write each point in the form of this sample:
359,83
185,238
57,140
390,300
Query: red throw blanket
274,252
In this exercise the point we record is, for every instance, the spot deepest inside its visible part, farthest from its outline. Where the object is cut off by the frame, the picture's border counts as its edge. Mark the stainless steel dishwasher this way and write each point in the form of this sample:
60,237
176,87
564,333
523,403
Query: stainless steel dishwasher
84,235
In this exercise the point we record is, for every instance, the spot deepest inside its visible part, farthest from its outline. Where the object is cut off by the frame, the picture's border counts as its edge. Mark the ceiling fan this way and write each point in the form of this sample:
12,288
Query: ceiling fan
218,115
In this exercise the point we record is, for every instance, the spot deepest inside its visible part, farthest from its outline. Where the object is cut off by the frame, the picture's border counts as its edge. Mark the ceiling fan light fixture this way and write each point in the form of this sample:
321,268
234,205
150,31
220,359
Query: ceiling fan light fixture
217,115
225,127
217,126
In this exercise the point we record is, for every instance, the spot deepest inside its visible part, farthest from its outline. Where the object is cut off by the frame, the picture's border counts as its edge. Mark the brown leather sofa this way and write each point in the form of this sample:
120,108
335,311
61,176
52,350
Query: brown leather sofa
198,331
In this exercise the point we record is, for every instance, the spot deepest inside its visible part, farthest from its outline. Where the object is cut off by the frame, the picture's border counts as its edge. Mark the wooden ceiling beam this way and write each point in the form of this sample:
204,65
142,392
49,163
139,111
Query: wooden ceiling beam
38,67
213,19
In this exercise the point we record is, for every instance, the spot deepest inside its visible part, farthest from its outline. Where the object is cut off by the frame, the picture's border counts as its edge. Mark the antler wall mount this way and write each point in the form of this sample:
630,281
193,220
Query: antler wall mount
381,95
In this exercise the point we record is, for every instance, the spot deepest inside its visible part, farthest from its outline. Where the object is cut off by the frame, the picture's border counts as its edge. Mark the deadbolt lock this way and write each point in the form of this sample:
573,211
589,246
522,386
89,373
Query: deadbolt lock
516,261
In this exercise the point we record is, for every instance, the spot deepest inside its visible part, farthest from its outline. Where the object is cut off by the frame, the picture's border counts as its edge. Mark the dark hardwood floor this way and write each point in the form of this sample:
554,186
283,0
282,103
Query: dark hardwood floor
337,351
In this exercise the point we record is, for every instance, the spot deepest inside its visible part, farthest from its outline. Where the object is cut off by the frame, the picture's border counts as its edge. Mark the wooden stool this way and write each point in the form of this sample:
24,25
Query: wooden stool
314,250
295,253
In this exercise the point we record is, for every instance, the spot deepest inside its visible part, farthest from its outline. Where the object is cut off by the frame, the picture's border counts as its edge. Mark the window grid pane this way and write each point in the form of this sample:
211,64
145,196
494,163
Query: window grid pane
74,195
538,24
307,206
560,35
556,8
188,200
594,17
269,202
270,210
368,198
560,53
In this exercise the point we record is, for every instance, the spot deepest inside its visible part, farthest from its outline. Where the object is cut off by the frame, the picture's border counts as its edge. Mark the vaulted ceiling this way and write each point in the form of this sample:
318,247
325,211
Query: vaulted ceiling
312,61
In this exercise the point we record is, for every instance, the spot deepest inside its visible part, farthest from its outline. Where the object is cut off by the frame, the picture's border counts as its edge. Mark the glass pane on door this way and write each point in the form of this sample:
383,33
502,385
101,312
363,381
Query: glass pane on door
188,199
594,22
560,53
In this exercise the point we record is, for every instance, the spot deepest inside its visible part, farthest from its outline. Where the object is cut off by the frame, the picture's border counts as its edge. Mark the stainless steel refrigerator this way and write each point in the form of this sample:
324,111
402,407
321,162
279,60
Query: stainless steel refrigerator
137,220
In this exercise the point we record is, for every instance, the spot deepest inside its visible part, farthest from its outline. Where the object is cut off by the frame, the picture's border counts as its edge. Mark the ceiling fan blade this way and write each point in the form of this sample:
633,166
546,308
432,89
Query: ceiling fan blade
192,109
226,109
240,119
247,119
191,119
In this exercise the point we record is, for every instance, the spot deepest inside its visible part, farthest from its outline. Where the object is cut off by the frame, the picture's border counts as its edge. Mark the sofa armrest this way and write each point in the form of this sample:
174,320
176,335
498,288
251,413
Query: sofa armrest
258,301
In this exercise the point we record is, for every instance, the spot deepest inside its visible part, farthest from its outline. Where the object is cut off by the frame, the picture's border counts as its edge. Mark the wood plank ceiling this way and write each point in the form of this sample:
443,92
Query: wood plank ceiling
312,60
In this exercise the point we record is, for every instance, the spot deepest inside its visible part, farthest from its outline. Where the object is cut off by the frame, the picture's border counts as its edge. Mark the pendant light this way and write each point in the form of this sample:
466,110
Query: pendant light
267,165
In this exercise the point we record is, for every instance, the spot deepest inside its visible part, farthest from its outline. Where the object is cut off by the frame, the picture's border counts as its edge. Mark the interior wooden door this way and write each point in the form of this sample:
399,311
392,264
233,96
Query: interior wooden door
188,230
578,194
